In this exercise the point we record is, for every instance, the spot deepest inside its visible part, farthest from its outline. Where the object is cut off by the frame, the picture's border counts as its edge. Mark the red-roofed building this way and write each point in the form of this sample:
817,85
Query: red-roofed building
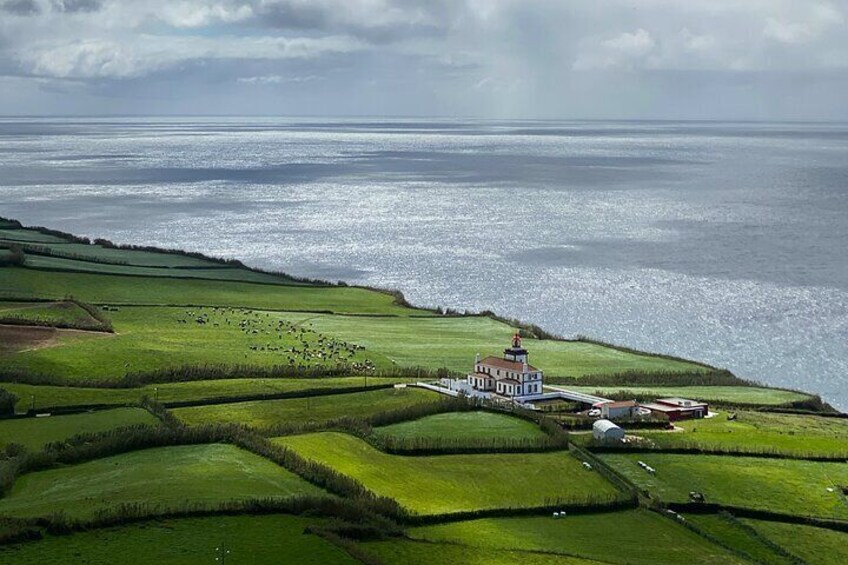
510,375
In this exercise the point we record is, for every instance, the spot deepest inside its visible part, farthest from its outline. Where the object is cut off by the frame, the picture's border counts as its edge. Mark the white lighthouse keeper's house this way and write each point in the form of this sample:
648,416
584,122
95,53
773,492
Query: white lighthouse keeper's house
509,376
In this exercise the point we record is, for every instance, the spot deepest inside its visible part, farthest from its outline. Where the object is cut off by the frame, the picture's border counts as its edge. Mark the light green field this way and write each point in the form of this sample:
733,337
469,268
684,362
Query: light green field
453,483
260,540
150,338
266,413
641,537
19,282
762,431
213,272
52,313
780,485
409,552
166,476
732,533
46,396
34,433
713,394
464,425
453,343
813,545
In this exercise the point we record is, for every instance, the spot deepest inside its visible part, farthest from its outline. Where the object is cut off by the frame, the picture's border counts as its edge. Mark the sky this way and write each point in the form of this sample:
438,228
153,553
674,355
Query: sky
498,59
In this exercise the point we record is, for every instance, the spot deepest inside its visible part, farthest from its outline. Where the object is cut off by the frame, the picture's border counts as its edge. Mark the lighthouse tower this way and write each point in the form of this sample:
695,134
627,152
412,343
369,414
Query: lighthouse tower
516,353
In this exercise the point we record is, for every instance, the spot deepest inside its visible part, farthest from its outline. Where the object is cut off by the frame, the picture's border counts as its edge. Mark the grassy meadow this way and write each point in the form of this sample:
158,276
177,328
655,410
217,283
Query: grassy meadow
455,483
753,395
812,544
165,476
641,537
761,431
260,540
34,433
734,534
780,485
49,396
268,413
464,425
48,313
410,552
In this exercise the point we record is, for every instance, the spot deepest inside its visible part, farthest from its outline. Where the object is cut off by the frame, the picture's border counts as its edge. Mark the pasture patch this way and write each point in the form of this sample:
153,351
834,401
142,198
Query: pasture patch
455,483
164,476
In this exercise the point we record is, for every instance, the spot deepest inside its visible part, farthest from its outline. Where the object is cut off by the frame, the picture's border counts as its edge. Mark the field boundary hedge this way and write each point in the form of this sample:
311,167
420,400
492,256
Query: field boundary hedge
758,514
618,480
764,453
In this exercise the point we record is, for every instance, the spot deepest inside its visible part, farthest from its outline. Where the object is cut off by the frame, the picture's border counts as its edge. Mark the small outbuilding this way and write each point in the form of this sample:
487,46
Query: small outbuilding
678,408
622,409
606,431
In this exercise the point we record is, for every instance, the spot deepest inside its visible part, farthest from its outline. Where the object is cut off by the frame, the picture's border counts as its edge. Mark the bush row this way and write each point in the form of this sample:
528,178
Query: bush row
694,448
617,479
7,403
712,377
757,514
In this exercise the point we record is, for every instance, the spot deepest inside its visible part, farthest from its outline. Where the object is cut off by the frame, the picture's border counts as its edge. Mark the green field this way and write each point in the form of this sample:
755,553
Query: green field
34,433
464,425
641,537
761,431
453,343
409,552
261,540
752,395
18,283
52,313
218,272
150,338
166,476
780,485
453,483
46,396
734,534
266,413
812,544
12,235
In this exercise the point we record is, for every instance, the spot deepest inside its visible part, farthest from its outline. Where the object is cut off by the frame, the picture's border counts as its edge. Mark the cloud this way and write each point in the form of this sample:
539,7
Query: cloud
75,6
149,54
21,7
503,57
625,50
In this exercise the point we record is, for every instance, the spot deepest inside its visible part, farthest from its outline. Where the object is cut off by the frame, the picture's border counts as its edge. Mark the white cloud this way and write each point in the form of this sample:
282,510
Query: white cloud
626,50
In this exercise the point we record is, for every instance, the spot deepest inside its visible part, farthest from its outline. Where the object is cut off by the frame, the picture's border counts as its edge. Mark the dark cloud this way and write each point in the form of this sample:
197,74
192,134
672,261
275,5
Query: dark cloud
21,7
74,6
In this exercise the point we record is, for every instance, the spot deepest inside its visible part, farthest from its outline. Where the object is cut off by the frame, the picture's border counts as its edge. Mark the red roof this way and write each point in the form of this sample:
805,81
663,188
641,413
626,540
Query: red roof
506,364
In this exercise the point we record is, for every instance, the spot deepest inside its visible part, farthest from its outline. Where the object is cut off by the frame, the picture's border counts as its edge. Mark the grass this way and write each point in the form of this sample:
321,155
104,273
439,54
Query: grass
813,545
12,235
267,413
758,396
50,313
455,483
17,282
638,537
779,485
48,396
261,540
211,272
166,476
412,552
464,425
453,343
762,431
34,433
150,338
733,533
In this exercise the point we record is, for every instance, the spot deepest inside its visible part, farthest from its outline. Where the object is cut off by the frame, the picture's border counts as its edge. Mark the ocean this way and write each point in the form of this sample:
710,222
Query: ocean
722,242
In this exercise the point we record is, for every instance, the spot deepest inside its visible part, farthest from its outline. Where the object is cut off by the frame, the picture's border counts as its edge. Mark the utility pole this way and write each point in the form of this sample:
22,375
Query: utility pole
221,554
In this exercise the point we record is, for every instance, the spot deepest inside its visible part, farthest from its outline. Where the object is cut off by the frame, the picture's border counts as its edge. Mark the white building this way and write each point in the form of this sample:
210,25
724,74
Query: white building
604,430
509,376
614,410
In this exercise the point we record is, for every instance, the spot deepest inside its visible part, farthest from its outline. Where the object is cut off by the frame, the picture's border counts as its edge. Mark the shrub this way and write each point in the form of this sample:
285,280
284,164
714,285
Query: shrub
7,402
